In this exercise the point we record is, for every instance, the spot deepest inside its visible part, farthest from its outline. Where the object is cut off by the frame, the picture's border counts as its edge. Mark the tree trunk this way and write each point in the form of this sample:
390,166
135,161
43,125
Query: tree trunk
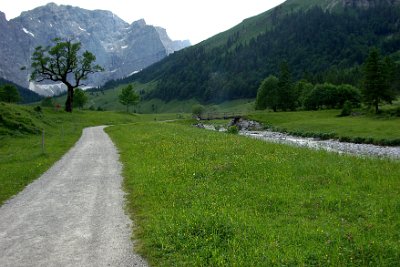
70,99
376,107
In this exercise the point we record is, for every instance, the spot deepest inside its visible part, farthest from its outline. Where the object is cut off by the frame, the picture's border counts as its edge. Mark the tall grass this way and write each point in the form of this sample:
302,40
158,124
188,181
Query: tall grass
203,198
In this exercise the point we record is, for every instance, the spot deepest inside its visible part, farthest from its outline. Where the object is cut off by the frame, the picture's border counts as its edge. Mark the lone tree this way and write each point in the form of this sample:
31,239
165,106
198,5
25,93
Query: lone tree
9,93
63,63
286,98
267,95
198,110
80,98
128,97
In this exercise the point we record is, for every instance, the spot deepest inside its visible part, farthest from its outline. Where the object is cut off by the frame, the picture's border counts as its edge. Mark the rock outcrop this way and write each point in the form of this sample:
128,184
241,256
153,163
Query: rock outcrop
121,48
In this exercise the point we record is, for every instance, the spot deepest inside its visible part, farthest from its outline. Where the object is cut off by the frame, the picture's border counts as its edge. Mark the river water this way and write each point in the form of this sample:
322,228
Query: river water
329,145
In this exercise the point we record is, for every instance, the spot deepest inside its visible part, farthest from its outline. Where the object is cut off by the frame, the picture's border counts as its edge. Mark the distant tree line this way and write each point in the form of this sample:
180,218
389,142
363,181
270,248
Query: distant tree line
378,86
9,94
25,95
318,47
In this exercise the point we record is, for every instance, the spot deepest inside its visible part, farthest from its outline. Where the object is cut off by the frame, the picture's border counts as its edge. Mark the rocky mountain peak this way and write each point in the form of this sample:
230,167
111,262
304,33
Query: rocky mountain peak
121,48
2,17
139,23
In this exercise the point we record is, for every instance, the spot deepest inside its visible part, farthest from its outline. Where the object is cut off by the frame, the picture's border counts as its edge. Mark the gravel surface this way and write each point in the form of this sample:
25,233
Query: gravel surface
73,214
329,145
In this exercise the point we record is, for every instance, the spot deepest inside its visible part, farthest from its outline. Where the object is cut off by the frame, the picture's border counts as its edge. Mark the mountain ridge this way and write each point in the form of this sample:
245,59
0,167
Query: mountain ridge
121,48
326,44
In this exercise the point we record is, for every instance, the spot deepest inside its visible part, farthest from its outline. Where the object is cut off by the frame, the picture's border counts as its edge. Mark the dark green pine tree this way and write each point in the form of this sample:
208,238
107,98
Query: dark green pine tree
377,87
389,71
286,98
9,93
128,97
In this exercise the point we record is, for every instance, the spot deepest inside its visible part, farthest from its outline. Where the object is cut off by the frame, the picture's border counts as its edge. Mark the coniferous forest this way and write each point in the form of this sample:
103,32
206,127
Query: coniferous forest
318,46
26,95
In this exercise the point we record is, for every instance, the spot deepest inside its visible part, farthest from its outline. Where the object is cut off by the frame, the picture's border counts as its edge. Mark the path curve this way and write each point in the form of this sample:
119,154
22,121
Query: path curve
73,214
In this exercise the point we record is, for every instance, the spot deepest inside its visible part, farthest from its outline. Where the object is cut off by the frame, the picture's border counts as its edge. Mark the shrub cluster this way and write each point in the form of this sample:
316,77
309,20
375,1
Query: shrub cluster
307,96
331,96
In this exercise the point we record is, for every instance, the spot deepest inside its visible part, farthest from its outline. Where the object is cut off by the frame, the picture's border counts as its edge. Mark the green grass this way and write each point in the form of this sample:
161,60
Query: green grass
108,100
21,157
201,198
369,128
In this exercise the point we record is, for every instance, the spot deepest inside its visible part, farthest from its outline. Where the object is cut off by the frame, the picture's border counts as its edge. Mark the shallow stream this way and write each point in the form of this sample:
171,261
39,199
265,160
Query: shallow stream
329,145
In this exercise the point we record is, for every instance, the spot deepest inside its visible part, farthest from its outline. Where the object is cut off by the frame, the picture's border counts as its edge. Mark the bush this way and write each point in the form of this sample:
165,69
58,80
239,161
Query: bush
346,92
198,110
233,129
393,112
47,102
37,109
331,96
347,109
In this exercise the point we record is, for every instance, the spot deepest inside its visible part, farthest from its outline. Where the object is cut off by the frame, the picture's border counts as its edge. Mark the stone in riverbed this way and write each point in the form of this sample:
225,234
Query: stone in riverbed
244,124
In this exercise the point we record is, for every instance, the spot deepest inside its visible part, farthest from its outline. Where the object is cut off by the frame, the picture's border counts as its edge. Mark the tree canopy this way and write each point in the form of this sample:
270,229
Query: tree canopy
128,97
63,63
80,98
377,80
9,94
267,96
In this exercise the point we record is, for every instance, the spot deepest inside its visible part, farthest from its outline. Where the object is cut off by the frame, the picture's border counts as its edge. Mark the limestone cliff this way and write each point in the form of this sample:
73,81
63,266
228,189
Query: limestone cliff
121,48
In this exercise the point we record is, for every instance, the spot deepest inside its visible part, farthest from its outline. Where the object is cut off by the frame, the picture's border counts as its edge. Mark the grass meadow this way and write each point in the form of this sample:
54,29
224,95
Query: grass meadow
108,100
202,198
22,158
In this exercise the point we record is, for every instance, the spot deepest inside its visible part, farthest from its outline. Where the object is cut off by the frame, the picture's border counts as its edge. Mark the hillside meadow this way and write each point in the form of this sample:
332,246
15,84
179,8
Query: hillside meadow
108,100
22,156
202,198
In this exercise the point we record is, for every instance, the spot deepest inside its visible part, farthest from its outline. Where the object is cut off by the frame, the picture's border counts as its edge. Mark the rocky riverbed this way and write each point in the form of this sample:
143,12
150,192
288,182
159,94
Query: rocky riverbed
329,145
314,143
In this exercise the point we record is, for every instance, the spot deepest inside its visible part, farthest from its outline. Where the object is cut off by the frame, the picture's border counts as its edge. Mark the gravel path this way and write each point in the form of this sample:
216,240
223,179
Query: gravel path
73,214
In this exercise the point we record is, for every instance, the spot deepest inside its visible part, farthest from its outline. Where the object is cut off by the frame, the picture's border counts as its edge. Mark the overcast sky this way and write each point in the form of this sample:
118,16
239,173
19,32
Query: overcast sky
183,19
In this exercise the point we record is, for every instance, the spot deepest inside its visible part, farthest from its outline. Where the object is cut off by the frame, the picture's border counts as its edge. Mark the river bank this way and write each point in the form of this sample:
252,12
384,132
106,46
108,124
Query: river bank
315,143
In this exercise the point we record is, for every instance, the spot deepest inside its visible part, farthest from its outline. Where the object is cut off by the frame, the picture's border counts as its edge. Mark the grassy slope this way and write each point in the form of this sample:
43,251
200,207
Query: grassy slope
294,5
203,198
326,121
21,156
254,26
109,100
250,27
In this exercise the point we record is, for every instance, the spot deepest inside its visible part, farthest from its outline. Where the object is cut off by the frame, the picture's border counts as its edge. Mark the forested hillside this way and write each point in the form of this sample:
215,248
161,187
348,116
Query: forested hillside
318,44
27,96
